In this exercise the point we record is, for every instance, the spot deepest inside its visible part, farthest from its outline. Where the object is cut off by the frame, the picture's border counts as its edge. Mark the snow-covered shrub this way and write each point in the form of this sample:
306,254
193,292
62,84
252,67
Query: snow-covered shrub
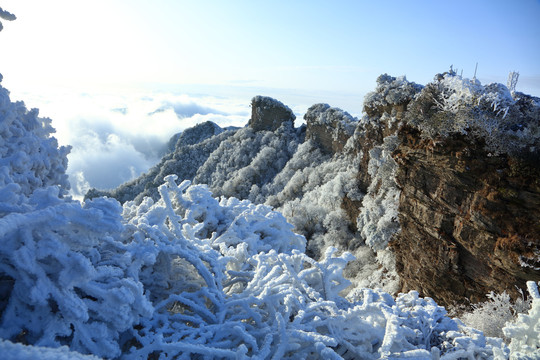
248,160
73,281
390,91
248,300
29,157
378,219
309,192
17,351
490,316
524,332
452,104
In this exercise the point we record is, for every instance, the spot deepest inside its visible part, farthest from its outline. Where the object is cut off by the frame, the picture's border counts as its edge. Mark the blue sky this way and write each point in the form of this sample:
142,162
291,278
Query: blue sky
79,60
332,46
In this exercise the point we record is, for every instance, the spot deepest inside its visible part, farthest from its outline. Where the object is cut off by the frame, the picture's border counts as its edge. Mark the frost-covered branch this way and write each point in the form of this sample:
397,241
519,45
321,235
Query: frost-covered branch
4,15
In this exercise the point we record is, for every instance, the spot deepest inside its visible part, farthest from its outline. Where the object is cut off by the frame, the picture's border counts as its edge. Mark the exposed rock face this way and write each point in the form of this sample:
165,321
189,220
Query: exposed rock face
269,114
329,127
469,221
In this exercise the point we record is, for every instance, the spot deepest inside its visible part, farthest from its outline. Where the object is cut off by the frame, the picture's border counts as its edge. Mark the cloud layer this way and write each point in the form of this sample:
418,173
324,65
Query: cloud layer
115,138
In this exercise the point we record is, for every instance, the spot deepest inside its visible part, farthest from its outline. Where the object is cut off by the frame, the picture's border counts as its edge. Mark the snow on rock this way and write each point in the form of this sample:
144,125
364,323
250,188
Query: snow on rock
194,135
329,127
507,122
391,94
269,114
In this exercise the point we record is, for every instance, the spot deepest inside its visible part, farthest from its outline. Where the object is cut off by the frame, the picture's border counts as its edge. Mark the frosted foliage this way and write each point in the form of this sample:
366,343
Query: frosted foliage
29,157
451,104
378,219
490,316
15,351
310,189
524,332
70,275
333,119
236,299
391,91
246,161
5,15
191,275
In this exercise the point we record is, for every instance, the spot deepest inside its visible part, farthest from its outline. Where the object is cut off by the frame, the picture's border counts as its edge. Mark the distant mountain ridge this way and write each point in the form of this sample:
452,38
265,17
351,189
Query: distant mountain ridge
420,189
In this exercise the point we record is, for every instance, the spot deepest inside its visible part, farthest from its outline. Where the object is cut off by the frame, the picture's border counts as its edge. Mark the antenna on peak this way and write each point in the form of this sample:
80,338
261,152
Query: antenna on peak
475,68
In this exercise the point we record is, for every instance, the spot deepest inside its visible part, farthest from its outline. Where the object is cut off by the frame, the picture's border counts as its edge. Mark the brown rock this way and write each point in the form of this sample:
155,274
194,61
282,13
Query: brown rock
269,114
329,127
469,221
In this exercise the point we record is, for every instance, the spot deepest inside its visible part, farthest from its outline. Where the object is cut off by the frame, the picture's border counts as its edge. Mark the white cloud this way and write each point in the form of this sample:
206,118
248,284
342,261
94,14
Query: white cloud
117,137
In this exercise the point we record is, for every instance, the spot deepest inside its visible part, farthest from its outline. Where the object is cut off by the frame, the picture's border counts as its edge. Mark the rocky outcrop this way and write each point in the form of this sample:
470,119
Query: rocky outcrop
269,114
329,127
469,221
469,176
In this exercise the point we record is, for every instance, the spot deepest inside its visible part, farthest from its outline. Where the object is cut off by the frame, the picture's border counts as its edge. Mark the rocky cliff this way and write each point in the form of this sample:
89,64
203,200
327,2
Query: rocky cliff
470,222
435,188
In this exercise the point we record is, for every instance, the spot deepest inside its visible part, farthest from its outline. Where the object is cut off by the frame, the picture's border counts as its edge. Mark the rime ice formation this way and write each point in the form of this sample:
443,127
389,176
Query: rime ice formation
418,165
182,273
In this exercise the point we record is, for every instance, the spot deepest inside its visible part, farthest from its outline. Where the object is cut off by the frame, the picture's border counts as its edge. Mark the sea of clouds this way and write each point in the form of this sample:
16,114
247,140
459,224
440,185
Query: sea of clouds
117,136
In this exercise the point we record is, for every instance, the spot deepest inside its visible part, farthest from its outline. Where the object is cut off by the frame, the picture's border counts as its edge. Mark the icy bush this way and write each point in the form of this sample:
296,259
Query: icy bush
218,296
73,281
490,316
390,91
29,157
524,332
378,219
15,351
452,104
248,160
191,275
